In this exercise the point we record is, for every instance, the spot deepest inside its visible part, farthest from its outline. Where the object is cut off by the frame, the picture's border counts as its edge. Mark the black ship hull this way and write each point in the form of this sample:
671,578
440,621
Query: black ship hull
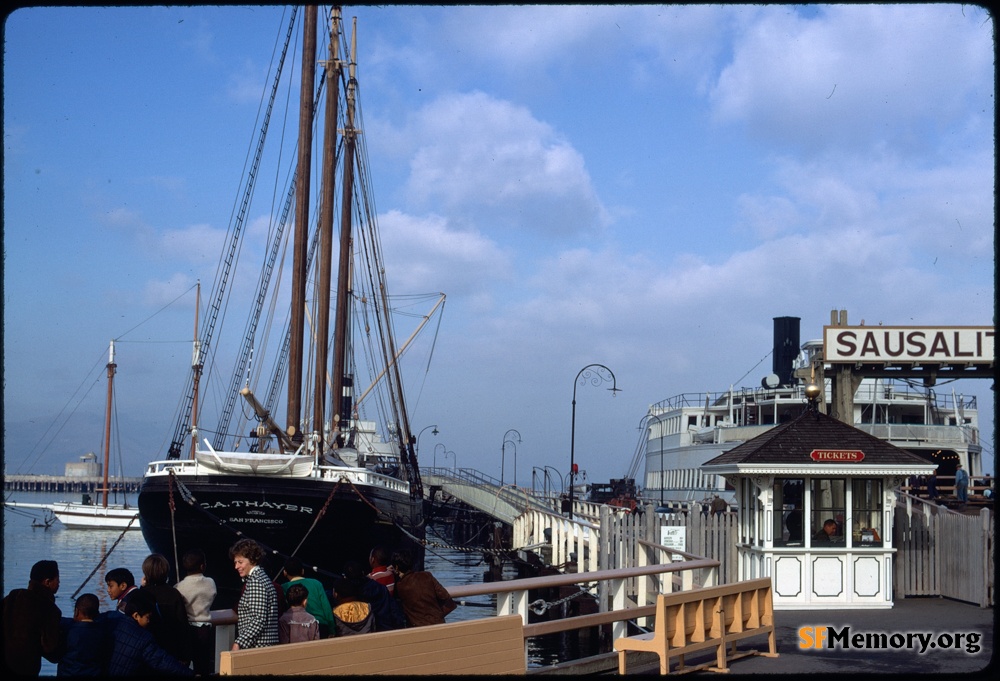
322,522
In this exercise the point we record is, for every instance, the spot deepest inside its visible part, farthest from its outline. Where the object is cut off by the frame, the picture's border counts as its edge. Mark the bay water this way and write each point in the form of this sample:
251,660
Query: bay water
80,554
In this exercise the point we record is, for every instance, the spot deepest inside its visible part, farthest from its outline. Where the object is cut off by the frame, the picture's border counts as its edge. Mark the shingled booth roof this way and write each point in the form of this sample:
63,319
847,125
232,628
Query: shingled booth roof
791,445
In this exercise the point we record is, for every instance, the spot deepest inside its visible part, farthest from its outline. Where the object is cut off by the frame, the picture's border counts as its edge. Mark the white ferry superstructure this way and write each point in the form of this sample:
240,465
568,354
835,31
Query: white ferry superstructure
686,430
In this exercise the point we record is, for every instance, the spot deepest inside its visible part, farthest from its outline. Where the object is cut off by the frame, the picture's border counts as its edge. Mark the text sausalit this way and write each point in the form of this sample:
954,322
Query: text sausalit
967,344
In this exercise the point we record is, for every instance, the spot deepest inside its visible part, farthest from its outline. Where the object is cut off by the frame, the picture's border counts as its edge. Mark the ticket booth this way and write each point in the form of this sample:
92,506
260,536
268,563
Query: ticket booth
816,498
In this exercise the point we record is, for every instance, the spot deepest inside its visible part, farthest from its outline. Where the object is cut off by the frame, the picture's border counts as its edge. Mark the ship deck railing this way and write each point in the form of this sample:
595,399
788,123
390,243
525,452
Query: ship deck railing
352,475
881,392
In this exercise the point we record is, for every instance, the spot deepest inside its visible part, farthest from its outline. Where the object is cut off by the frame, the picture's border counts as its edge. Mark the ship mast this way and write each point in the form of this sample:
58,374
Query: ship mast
196,369
341,402
302,181
107,420
333,70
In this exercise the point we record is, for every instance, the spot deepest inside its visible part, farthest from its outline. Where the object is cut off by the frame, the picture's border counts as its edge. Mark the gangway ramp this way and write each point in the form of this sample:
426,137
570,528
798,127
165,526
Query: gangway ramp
482,493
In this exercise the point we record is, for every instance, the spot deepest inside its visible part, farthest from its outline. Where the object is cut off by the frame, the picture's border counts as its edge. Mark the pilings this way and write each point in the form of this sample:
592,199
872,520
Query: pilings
67,485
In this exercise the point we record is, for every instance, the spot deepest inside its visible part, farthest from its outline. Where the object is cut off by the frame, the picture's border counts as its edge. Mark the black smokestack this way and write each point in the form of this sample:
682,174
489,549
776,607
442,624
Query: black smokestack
786,348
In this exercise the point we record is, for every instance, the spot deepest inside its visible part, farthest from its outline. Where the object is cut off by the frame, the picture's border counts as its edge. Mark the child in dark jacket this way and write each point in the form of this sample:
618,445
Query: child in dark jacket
84,641
296,624
134,651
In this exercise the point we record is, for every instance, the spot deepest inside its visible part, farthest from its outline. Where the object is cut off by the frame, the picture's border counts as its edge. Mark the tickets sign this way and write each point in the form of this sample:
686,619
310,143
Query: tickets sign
837,455
911,344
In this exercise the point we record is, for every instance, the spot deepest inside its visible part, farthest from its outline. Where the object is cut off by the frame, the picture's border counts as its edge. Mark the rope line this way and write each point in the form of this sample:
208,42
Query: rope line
104,558
187,497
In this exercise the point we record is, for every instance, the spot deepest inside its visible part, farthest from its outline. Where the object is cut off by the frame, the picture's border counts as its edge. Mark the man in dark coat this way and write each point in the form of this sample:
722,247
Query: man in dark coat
425,601
31,621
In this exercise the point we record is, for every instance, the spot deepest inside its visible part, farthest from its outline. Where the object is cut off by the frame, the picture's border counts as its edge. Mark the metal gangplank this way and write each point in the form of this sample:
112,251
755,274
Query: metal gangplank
483,493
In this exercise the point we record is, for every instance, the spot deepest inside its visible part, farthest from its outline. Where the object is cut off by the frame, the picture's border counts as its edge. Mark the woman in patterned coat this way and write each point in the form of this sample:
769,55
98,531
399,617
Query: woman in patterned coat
257,610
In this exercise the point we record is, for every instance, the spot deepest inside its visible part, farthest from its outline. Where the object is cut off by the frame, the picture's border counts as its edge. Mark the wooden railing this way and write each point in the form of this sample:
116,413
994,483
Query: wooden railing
492,645
616,603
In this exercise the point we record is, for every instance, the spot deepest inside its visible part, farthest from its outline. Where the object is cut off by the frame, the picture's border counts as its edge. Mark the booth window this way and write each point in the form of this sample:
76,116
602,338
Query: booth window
789,522
828,502
752,515
866,503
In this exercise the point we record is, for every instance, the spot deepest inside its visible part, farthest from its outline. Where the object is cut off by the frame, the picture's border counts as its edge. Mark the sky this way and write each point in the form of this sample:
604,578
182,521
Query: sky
642,187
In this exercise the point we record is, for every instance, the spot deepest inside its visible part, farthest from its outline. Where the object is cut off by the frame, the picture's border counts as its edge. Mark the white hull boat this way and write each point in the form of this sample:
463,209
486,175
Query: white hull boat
80,516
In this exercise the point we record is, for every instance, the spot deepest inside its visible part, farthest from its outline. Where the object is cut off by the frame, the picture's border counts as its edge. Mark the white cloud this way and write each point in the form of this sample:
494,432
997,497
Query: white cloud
843,78
160,292
429,254
200,244
484,158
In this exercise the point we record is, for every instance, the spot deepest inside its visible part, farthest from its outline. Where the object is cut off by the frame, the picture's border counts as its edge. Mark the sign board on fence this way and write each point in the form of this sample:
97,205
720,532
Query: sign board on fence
674,537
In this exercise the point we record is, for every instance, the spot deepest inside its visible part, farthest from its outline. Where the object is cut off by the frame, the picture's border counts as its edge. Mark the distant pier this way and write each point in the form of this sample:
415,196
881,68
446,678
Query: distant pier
67,484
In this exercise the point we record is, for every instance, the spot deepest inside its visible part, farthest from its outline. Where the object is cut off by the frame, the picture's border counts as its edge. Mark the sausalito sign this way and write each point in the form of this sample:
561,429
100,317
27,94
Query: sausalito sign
916,344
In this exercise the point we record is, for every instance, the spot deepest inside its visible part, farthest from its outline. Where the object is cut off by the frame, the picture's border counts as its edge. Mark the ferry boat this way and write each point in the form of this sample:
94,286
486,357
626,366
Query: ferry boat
686,430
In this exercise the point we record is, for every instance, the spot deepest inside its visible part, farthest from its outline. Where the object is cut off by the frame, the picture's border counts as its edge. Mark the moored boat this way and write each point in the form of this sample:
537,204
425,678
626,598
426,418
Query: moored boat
686,430
324,488
85,515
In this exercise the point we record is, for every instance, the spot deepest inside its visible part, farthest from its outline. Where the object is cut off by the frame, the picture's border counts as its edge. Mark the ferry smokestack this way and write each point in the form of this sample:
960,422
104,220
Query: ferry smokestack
786,348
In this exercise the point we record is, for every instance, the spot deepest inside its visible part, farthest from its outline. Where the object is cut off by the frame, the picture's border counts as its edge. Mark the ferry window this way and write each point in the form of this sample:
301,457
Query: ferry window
692,420
788,520
828,502
866,502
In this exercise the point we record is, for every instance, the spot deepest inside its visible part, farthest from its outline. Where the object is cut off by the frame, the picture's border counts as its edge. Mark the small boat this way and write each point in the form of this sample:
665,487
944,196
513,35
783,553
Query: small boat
80,516
85,515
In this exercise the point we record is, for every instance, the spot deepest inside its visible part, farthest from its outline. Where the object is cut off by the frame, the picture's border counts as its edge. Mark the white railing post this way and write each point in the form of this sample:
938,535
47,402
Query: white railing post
617,587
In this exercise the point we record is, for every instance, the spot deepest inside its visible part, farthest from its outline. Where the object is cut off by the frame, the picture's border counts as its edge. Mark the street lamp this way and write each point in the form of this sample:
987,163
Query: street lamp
433,432
595,374
648,419
562,483
454,457
502,451
439,444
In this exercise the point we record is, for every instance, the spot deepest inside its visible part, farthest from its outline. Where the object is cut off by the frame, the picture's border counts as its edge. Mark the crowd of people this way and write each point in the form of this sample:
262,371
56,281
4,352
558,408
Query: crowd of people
160,628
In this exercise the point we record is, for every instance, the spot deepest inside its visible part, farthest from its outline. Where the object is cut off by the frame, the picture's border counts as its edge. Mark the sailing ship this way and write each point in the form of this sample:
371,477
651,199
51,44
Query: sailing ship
85,515
686,430
327,487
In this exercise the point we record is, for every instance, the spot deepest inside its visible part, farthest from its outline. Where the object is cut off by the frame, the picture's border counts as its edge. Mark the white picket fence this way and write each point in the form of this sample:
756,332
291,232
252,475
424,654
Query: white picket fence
938,552
943,553
603,537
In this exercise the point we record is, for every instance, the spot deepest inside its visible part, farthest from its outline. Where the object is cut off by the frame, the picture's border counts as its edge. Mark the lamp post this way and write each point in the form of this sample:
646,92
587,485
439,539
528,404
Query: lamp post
648,419
503,448
454,458
439,444
433,432
545,480
595,374
562,483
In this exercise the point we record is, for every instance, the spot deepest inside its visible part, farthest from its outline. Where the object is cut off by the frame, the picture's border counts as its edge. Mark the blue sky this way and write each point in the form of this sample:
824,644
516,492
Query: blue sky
643,187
